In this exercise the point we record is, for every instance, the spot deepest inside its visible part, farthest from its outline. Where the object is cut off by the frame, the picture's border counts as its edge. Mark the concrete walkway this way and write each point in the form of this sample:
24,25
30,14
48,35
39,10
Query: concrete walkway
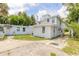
12,47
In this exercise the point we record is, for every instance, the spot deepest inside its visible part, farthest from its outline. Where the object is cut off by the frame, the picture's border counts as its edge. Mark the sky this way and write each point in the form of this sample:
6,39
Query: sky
34,8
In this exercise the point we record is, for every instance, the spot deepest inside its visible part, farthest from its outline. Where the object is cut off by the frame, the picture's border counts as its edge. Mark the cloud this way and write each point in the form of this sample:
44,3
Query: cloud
15,11
62,12
46,11
33,4
17,7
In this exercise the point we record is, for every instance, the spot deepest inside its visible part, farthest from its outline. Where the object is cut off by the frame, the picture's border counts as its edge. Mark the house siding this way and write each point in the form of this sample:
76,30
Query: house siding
13,30
37,31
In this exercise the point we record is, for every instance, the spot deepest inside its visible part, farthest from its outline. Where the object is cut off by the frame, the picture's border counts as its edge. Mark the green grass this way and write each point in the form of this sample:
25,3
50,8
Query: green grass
72,47
28,37
52,54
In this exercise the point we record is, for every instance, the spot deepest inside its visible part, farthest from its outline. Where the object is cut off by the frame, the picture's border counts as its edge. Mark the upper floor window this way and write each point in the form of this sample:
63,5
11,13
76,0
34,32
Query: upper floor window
47,19
24,29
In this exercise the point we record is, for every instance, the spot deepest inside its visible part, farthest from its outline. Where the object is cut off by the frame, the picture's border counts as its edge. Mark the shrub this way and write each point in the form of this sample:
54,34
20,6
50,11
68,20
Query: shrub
53,54
66,30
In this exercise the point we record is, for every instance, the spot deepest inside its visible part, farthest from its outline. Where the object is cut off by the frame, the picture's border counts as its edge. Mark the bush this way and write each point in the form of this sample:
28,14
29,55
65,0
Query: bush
53,54
66,30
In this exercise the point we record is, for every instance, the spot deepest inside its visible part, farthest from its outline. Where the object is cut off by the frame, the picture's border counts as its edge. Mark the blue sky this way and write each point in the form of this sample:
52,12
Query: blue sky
43,6
33,8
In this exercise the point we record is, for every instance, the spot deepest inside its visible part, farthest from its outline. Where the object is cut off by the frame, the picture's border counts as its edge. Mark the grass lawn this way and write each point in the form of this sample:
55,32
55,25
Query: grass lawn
52,54
72,47
28,37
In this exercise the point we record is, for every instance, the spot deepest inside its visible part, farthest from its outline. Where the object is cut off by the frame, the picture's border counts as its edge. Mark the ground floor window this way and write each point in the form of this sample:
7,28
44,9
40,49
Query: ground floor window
1,28
18,28
23,29
43,29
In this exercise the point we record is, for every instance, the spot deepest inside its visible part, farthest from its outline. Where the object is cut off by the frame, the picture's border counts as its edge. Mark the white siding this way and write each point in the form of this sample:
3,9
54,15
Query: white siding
1,33
13,30
55,32
37,31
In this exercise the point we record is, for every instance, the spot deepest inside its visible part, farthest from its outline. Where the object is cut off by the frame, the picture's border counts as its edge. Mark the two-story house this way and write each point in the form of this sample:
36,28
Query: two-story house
48,27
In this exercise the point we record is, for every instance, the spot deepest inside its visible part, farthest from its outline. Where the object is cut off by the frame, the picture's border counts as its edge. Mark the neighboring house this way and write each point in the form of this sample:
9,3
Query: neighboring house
48,27
1,30
14,29
17,29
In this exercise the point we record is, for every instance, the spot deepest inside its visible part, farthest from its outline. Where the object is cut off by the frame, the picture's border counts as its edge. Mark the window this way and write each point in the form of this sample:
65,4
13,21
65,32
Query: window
48,20
59,29
39,22
1,28
43,29
24,29
18,28
53,21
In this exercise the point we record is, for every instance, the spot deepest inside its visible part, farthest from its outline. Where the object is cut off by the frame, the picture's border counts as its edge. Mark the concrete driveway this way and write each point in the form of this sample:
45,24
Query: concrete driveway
12,47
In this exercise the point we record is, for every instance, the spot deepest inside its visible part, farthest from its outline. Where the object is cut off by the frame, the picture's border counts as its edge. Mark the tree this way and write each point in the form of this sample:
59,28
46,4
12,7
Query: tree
75,28
3,9
3,20
73,16
13,19
27,20
73,9
3,13
33,19
21,19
